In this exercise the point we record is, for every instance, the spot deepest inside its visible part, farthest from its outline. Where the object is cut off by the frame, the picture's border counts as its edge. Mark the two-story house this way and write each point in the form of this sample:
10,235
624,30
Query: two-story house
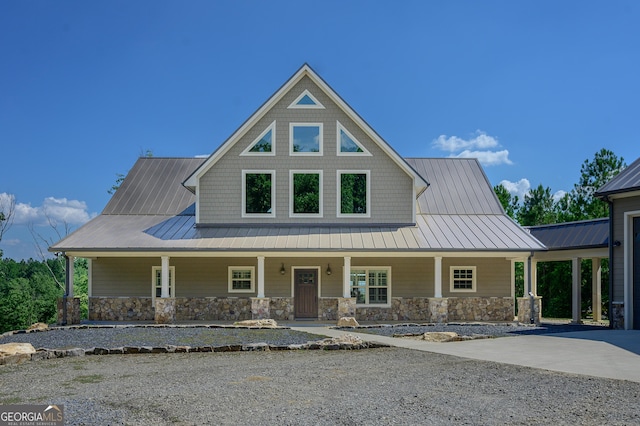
303,212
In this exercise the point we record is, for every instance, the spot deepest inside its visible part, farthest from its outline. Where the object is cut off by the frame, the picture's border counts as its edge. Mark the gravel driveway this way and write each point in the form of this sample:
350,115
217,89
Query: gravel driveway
373,386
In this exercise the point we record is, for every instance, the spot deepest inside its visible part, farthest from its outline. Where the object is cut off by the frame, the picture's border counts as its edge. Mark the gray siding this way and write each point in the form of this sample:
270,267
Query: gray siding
221,187
620,206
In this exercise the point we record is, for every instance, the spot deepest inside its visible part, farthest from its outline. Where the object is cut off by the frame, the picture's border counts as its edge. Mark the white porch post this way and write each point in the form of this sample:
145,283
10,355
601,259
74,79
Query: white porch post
513,278
596,289
437,276
164,277
576,300
534,277
89,277
260,276
346,278
528,286
70,275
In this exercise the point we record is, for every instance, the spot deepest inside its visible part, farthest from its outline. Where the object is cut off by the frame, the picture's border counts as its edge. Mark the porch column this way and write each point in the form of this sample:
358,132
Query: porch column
260,276
513,278
346,278
534,277
164,277
576,299
528,279
596,289
70,277
437,277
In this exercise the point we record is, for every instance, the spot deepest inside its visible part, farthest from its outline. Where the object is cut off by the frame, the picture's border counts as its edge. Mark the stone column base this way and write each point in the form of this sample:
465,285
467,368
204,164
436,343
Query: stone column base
524,310
346,307
617,315
439,309
260,308
165,310
73,311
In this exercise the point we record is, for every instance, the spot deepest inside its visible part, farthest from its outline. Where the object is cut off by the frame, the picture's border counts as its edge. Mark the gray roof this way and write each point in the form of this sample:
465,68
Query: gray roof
573,235
152,211
626,181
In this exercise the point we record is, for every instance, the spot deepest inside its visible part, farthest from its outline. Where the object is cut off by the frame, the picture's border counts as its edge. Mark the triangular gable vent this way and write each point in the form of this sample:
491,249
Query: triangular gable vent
265,144
306,100
348,144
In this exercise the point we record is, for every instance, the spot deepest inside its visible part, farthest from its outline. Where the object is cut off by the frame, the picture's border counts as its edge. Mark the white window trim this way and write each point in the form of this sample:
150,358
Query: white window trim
273,194
294,104
340,127
473,279
291,193
272,128
293,278
320,141
230,279
339,174
172,281
389,280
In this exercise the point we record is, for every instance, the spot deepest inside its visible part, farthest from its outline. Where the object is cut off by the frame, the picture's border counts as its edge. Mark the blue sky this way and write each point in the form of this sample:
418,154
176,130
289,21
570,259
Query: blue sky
532,88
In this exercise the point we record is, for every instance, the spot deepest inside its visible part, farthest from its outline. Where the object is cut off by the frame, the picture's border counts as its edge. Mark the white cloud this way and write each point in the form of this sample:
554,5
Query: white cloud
52,210
476,147
518,188
558,195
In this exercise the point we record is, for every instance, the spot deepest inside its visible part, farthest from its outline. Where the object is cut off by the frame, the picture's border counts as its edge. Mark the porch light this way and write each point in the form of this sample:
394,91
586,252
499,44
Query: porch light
328,269
282,270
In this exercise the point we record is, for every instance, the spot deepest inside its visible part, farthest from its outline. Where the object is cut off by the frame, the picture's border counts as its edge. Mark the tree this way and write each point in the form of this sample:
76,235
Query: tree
510,203
593,175
537,208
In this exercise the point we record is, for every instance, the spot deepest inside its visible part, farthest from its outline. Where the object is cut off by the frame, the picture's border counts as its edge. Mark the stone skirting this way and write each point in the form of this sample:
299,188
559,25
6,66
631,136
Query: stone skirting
73,311
617,315
165,310
329,309
524,310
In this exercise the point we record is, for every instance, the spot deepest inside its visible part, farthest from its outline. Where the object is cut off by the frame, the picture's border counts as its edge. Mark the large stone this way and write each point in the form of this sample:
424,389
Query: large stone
266,323
16,353
348,322
39,326
440,336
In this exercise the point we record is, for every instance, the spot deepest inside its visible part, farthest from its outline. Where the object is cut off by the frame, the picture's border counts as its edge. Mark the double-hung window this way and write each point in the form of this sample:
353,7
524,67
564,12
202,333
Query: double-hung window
462,278
241,279
371,286
156,274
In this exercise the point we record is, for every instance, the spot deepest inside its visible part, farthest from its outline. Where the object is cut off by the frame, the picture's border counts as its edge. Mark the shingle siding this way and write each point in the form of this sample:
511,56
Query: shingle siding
221,187
620,206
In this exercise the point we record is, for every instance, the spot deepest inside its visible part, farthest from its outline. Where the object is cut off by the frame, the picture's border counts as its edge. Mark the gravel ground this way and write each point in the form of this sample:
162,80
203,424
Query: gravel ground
374,386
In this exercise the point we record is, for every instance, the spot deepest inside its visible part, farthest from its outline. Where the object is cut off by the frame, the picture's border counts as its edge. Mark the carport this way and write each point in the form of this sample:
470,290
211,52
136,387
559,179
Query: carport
574,241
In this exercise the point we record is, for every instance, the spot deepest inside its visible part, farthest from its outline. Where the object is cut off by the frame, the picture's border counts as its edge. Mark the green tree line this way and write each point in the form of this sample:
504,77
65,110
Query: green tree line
541,207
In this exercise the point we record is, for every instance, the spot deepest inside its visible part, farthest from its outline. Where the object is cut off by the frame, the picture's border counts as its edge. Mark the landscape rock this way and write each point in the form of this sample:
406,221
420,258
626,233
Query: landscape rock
266,323
16,353
348,322
39,326
440,336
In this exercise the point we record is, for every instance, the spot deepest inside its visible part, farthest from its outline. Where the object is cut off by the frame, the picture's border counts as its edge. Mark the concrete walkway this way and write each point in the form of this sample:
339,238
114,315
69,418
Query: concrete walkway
613,354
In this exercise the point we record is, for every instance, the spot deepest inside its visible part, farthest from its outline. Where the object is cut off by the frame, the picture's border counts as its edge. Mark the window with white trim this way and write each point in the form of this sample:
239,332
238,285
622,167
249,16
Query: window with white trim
306,100
354,196
462,278
264,144
305,138
156,274
305,190
371,285
241,279
258,193
347,143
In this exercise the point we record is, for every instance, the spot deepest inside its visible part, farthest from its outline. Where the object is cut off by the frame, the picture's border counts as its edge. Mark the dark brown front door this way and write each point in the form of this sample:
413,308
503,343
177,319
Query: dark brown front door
306,293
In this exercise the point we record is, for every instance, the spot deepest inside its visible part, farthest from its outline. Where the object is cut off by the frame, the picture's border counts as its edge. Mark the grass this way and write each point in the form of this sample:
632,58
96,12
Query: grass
91,378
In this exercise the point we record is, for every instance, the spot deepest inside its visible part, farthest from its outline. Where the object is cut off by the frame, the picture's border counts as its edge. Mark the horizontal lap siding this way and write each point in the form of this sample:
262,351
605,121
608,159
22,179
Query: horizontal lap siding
221,187
122,277
620,207
493,277
410,277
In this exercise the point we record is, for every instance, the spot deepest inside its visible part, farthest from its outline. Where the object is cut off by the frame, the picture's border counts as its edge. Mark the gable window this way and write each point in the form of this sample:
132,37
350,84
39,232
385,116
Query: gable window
371,286
348,144
264,144
462,278
241,279
258,193
305,138
156,274
354,193
305,193
306,100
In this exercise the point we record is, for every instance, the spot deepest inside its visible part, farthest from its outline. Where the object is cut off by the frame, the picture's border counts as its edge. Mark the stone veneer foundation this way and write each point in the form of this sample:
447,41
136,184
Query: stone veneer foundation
524,310
329,309
617,315
73,311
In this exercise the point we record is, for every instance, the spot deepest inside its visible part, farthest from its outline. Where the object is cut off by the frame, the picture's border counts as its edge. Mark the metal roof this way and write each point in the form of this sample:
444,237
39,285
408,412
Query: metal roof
573,235
153,211
626,181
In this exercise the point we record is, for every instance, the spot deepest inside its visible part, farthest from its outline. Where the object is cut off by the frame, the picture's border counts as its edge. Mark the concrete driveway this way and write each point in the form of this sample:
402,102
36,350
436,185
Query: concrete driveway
613,354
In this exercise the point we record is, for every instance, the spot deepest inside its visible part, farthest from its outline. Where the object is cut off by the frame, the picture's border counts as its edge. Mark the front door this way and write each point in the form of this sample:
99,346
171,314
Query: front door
306,293
636,273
